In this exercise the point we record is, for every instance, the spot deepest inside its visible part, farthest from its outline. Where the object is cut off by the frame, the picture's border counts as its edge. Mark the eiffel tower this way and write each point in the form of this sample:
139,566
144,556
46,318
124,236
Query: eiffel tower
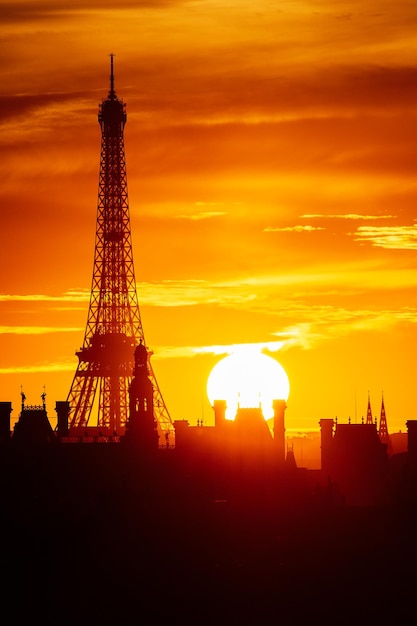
99,394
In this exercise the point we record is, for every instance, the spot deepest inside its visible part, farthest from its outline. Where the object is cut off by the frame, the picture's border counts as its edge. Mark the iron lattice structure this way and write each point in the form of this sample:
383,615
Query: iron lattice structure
99,394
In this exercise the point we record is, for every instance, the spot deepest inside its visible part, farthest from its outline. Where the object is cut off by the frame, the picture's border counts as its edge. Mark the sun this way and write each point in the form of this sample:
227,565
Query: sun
248,379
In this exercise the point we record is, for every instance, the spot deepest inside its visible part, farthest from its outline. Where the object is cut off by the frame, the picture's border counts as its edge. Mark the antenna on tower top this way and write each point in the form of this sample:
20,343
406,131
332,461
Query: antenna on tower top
112,94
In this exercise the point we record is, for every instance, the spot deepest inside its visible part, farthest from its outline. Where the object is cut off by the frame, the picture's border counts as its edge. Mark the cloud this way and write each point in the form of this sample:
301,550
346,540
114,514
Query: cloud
37,368
167,293
26,11
303,335
268,293
25,105
347,216
390,237
313,326
293,229
271,346
202,216
273,95
37,330
171,293
176,352
72,295
324,323
243,71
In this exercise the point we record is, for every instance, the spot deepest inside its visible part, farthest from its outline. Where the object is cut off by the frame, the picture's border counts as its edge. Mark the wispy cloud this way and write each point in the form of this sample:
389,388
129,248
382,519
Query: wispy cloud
205,210
391,237
322,323
192,292
25,11
204,215
76,295
271,346
314,325
165,293
176,352
263,293
302,335
36,368
292,229
347,216
37,330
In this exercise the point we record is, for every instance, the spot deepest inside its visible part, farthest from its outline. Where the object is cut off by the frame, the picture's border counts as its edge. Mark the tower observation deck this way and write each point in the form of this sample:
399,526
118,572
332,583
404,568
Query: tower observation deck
99,394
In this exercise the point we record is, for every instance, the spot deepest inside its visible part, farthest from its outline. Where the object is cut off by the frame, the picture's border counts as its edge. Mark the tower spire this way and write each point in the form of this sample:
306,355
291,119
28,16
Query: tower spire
383,427
369,411
112,94
99,394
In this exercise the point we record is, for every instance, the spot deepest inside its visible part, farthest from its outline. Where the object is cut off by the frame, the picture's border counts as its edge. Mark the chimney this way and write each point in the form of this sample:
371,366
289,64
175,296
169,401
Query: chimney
326,428
219,413
412,444
62,409
279,407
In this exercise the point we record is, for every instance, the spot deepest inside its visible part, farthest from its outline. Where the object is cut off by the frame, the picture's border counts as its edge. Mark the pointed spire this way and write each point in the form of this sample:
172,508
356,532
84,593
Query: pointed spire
369,411
112,94
383,428
290,462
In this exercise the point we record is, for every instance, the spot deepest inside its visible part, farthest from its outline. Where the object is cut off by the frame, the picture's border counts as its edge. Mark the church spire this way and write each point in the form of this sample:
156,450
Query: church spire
383,427
369,411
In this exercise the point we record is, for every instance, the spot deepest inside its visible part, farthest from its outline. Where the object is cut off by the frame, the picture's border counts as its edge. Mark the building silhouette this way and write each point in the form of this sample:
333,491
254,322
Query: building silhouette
355,459
142,427
33,426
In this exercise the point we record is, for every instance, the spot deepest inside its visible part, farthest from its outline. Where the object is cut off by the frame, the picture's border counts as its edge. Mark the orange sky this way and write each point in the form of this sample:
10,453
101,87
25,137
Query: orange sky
271,156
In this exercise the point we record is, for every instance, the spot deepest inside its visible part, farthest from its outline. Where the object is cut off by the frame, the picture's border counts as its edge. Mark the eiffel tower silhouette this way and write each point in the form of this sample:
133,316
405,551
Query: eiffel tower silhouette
99,394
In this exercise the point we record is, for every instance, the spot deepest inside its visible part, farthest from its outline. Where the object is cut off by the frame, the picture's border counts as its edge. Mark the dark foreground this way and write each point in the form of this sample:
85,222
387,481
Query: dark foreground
93,539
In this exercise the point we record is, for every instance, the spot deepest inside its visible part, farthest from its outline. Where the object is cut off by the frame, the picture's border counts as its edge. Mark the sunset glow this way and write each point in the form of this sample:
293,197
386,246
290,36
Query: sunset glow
271,155
248,379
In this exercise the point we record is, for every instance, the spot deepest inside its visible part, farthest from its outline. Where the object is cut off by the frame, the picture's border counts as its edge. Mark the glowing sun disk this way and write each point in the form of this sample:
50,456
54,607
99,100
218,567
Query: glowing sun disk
248,379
